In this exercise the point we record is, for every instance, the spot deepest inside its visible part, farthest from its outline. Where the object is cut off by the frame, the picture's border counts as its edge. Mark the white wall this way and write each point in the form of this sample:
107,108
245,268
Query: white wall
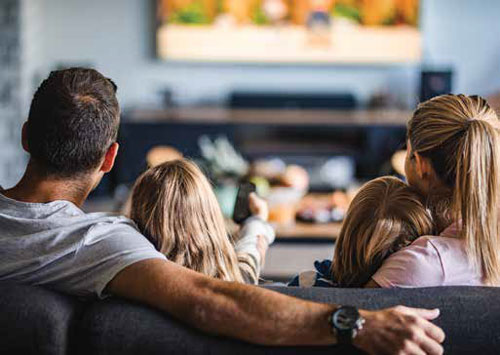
116,36
466,34
11,80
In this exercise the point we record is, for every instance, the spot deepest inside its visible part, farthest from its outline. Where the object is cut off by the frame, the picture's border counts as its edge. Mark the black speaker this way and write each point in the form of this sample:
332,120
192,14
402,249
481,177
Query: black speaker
434,83
286,100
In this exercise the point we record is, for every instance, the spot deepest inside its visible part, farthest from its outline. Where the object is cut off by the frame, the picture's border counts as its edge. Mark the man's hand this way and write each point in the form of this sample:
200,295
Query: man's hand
258,206
400,330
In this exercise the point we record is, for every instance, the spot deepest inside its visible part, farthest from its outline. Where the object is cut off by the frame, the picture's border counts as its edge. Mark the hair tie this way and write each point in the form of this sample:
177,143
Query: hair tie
468,123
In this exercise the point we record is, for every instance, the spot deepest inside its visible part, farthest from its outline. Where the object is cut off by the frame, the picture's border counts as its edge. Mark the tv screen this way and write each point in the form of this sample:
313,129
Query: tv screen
289,31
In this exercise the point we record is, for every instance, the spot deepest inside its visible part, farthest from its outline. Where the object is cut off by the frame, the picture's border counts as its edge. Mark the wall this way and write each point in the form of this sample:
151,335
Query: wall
465,34
123,50
116,36
11,91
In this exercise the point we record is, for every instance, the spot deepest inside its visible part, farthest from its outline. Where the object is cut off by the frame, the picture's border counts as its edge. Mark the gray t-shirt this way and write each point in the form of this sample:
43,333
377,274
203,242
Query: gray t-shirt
57,245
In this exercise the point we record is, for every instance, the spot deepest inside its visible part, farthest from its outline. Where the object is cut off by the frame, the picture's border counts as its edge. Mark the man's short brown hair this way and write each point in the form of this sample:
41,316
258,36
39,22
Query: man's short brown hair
73,120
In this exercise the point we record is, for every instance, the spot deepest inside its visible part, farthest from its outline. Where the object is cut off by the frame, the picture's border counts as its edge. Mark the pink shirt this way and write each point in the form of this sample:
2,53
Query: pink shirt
430,261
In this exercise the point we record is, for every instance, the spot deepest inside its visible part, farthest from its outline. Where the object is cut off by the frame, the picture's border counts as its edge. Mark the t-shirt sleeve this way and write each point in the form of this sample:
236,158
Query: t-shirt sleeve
106,249
418,265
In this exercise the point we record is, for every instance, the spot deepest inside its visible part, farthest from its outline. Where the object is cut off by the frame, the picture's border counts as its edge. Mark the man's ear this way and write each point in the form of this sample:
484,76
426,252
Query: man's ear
24,137
423,166
109,158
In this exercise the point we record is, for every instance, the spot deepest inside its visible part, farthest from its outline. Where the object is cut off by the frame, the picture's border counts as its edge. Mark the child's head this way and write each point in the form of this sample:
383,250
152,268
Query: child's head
384,216
174,205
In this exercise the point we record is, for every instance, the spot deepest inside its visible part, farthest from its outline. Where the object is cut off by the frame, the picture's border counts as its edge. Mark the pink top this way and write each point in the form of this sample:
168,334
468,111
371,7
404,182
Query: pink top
430,261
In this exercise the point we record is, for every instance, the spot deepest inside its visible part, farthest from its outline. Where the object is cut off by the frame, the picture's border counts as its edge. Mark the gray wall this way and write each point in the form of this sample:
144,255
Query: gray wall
116,36
12,49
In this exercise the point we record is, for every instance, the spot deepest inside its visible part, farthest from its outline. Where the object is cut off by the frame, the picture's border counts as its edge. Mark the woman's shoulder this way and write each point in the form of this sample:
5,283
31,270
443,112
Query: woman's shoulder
436,244
447,243
422,248
451,251
417,265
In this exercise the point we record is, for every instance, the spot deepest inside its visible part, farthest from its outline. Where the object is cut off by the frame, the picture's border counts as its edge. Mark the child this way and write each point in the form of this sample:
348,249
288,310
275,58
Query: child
175,207
384,216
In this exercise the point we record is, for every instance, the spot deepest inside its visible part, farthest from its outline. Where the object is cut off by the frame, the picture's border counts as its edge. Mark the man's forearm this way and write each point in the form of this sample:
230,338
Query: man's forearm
251,313
230,309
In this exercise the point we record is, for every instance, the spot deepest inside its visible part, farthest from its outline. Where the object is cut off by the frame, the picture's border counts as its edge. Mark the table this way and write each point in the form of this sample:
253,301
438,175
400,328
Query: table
314,231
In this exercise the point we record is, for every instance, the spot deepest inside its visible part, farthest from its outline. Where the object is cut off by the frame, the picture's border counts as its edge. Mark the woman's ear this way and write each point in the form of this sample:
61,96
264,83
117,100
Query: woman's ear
423,166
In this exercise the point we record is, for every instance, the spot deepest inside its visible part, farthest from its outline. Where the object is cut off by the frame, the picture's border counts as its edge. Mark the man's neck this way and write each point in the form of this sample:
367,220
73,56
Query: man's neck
36,189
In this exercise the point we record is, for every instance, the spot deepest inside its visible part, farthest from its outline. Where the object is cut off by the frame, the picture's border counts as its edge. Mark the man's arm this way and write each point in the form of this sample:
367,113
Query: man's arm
265,317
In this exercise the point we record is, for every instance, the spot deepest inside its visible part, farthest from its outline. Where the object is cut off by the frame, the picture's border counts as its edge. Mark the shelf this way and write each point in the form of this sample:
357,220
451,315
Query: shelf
290,117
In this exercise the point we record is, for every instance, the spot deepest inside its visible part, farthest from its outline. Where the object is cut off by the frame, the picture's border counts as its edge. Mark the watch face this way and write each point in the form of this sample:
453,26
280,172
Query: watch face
346,318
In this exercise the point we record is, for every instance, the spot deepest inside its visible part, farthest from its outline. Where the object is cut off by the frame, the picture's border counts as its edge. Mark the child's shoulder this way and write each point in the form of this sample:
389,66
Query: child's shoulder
320,277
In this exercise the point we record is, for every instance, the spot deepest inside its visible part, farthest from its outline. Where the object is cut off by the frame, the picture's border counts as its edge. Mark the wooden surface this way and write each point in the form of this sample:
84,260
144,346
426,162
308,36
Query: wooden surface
322,231
343,44
294,117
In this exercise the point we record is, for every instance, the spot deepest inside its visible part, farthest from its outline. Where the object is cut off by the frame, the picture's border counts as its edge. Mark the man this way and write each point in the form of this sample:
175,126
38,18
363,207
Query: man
47,240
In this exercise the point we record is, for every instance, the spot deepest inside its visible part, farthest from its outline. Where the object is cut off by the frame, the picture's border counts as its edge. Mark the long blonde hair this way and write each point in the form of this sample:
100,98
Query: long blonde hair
384,216
174,205
459,134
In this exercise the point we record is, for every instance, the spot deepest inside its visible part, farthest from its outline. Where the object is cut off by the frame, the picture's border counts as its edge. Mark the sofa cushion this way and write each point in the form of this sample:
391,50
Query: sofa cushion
38,321
120,327
35,321
470,316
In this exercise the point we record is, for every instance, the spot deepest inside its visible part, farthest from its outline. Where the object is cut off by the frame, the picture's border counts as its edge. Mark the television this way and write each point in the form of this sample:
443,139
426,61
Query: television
289,31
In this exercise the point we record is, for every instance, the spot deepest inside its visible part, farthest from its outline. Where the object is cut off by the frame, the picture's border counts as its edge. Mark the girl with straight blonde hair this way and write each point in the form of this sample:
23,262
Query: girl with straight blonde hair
174,206
452,160
384,216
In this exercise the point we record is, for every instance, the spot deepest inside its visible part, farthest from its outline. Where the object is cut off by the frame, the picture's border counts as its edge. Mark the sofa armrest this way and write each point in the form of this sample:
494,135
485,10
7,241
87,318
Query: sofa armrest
35,320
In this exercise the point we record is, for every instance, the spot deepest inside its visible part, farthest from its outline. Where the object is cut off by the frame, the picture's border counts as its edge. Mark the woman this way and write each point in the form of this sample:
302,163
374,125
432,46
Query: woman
452,160
384,216
174,206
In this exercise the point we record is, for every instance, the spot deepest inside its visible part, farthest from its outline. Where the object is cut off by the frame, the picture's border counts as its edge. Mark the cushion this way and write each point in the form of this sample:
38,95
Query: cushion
35,321
120,327
470,316
39,321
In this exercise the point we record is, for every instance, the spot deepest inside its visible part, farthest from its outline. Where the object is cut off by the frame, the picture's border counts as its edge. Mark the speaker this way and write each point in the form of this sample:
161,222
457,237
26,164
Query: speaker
275,100
434,83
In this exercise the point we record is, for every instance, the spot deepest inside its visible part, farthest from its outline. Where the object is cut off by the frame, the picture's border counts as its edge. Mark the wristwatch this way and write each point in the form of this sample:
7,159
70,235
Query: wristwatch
346,322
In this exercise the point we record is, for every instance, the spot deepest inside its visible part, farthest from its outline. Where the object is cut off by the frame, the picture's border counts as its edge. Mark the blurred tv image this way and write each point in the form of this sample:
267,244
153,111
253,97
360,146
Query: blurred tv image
308,31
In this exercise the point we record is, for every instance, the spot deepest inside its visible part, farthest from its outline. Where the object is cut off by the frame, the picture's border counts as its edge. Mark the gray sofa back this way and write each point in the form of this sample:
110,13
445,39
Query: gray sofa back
38,321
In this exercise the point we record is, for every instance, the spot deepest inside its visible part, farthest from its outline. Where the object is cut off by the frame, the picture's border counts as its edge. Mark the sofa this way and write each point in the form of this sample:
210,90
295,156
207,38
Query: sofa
35,320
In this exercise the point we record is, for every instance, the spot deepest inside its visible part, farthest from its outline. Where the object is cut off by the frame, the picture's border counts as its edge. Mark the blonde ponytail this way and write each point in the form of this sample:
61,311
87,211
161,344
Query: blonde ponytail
459,134
476,196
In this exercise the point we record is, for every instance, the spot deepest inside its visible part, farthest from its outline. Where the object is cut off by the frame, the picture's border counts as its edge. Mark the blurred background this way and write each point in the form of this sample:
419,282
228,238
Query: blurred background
306,98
